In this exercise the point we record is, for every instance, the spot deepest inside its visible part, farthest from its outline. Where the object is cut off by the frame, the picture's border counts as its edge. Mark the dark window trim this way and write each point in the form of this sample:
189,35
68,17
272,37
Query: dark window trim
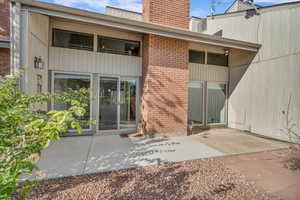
136,41
85,34
199,52
227,58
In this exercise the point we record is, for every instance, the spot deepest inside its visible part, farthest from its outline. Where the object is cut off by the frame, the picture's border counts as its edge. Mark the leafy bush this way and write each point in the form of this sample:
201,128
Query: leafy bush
25,131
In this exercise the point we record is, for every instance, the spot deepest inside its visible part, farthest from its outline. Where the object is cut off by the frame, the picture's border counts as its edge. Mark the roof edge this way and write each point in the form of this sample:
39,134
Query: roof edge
133,25
257,5
259,8
125,10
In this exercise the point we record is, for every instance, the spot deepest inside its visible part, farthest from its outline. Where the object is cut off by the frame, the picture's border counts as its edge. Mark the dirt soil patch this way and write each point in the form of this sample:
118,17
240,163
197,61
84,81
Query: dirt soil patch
206,179
267,170
231,141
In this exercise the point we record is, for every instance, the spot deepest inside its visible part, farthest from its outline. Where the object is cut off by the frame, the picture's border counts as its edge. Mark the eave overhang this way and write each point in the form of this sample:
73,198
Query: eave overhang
132,25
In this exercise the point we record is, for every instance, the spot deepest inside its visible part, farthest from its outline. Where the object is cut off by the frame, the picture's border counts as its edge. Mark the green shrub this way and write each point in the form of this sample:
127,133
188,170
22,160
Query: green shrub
25,131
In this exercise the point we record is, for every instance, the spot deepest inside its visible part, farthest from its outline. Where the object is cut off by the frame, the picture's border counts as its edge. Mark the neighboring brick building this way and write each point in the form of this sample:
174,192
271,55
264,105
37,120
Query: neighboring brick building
4,37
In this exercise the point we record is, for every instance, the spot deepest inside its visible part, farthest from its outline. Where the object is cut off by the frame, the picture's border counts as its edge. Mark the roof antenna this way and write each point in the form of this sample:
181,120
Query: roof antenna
213,8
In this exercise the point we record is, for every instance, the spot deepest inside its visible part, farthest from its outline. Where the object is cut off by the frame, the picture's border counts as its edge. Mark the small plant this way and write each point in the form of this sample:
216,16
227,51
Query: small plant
290,130
25,131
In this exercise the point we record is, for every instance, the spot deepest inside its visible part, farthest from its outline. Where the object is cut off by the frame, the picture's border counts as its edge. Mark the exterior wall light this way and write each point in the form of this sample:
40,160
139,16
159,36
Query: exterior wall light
226,52
38,63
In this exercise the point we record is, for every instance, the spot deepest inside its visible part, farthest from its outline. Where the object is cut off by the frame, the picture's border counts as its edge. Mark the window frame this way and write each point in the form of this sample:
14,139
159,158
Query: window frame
226,103
199,51
226,56
52,90
80,33
99,37
203,85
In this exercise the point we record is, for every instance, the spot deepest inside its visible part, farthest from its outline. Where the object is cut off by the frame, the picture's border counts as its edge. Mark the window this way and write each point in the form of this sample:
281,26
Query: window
216,103
217,59
62,83
73,40
195,102
118,46
196,57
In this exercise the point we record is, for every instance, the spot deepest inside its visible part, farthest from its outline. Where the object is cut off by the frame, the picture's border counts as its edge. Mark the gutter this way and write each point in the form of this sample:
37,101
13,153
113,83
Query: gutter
133,25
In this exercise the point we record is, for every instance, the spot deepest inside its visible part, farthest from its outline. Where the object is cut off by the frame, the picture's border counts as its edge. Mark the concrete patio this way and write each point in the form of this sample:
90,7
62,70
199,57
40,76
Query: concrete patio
72,156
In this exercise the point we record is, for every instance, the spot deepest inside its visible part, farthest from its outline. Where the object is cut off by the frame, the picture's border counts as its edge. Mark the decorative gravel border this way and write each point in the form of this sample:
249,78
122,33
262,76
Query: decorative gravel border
205,179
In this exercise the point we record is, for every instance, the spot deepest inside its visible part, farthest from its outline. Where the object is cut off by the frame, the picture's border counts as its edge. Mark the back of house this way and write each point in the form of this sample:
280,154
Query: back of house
163,70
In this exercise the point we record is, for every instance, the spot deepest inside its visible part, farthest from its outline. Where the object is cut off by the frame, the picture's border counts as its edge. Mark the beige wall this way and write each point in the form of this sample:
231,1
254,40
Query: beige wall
202,72
38,26
71,60
261,85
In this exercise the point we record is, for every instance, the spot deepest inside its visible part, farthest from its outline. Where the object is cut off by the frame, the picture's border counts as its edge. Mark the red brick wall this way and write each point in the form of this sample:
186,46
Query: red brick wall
173,13
165,84
4,34
4,19
4,61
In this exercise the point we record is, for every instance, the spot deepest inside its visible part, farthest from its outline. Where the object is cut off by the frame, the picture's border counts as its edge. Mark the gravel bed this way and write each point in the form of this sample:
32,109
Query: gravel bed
205,179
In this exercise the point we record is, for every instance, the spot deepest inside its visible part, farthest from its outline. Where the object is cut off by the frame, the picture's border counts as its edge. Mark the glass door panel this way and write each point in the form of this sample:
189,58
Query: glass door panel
216,103
108,103
127,103
64,82
195,103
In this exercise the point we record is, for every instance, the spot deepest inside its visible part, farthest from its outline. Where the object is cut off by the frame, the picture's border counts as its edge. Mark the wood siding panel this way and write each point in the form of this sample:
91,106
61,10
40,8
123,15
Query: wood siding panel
64,59
202,72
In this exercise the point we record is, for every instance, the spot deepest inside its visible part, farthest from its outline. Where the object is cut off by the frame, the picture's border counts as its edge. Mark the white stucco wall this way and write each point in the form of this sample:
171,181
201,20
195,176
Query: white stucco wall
262,84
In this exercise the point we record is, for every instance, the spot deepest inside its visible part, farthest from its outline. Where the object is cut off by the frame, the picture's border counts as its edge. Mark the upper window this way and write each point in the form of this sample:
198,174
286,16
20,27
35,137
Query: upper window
217,59
73,40
196,57
118,46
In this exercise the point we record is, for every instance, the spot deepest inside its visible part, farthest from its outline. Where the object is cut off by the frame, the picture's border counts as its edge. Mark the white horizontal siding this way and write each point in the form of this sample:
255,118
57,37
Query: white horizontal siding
94,62
202,72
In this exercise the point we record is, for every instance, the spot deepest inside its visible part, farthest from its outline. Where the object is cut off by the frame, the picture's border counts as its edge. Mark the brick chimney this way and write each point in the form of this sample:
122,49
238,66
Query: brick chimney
165,69
173,13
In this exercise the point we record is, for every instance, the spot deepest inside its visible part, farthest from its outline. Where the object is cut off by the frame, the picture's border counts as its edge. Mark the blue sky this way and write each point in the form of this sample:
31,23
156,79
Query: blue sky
199,8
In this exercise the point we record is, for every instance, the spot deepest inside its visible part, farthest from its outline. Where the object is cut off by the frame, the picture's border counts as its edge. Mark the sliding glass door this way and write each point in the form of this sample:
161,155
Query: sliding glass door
128,103
108,103
216,103
207,103
195,103
117,103
62,83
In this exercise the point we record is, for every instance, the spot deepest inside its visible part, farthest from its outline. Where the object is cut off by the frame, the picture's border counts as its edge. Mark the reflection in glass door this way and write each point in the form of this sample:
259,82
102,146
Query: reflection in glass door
216,103
108,103
63,83
207,103
195,103
127,103
117,103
